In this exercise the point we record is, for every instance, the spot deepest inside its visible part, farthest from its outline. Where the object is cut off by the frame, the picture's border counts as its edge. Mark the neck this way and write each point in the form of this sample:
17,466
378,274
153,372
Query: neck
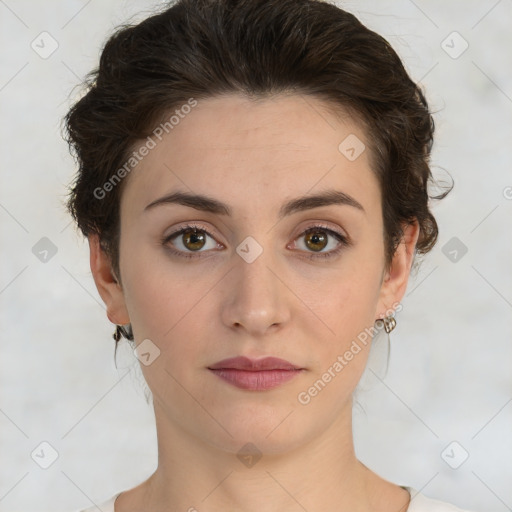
322,473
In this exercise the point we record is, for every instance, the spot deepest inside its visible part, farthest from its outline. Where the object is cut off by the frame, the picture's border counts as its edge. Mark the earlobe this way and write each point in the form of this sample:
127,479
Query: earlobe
106,283
396,279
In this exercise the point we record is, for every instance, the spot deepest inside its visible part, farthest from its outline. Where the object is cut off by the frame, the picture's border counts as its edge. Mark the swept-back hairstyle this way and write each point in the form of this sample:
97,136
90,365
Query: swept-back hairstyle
202,48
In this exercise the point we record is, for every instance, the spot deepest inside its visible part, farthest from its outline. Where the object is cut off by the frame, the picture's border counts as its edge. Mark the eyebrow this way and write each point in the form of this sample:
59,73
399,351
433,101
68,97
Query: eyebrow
208,204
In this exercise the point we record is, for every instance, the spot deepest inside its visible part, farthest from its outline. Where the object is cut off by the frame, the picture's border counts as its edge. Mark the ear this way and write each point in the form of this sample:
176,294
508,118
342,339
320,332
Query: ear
106,283
396,278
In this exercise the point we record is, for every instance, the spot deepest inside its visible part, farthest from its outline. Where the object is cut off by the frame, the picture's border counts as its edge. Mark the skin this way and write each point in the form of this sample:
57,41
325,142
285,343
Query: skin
254,156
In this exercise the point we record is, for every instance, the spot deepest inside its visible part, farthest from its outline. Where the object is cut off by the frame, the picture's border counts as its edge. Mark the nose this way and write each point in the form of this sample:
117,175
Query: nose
257,298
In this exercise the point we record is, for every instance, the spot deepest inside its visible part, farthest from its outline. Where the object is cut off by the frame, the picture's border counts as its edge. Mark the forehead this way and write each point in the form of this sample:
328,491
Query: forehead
257,152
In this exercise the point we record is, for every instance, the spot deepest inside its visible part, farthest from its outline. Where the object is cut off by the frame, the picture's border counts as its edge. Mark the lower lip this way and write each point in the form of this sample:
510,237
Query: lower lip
256,380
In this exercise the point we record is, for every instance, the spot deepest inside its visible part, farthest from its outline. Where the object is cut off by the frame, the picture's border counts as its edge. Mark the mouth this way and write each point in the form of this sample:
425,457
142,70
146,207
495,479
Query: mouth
255,374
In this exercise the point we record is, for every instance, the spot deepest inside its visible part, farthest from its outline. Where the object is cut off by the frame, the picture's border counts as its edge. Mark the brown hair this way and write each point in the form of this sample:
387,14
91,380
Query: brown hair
203,48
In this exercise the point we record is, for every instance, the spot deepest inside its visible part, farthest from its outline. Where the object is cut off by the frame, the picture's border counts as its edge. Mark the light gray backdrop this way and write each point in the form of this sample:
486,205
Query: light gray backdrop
449,379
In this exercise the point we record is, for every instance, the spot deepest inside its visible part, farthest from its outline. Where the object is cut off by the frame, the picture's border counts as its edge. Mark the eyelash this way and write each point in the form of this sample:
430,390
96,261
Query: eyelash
344,242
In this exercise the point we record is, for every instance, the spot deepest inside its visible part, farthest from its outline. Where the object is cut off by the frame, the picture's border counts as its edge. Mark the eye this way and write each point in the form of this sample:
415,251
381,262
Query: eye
317,238
194,238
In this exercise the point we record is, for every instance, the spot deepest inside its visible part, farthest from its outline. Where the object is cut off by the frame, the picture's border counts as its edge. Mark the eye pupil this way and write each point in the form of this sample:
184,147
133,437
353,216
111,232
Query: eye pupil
194,237
317,238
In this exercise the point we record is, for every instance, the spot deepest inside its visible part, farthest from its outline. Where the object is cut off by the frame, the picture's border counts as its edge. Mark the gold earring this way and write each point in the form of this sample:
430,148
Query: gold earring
389,323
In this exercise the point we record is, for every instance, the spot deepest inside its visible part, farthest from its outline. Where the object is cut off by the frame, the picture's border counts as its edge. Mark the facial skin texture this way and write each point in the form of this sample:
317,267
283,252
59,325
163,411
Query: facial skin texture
254,156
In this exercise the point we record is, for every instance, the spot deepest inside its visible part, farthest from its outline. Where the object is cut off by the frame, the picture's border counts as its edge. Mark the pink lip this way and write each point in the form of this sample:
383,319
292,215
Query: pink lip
245,363
255,374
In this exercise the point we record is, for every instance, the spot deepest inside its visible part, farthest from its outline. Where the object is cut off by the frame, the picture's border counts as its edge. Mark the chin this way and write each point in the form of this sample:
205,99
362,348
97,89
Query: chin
271,430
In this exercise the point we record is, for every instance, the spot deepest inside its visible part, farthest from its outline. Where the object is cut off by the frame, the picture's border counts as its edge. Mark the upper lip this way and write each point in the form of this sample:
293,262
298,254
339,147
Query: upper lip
245,363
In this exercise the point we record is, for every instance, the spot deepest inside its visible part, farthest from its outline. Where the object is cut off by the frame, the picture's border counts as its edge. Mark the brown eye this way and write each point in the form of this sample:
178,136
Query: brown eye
316,239
193,239
188,240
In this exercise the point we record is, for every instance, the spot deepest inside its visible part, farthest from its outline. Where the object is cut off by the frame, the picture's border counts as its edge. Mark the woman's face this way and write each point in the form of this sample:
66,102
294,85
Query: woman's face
255,284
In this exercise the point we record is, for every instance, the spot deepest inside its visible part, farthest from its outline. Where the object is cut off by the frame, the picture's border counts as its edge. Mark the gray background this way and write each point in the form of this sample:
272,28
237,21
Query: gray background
449,376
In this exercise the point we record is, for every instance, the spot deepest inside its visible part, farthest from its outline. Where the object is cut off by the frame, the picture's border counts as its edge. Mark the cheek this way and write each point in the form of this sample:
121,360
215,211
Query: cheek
165,310
165,302
349,297
155,299
344,318
340,354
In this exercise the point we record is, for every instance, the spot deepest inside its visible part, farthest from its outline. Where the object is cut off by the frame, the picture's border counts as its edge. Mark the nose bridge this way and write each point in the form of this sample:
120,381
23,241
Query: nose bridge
253,273
257,300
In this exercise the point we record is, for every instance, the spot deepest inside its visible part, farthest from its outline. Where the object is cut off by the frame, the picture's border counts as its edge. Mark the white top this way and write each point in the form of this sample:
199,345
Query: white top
419,503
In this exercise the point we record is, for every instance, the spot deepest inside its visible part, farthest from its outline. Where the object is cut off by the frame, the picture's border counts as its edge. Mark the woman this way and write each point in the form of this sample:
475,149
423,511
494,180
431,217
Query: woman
253,185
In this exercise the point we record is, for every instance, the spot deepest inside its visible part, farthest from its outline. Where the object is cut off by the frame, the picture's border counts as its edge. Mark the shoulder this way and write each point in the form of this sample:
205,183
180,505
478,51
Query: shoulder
420,503
106,506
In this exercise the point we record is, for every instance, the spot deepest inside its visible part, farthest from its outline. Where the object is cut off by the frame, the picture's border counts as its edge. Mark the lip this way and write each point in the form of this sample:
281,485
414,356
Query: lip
255,374
245,363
